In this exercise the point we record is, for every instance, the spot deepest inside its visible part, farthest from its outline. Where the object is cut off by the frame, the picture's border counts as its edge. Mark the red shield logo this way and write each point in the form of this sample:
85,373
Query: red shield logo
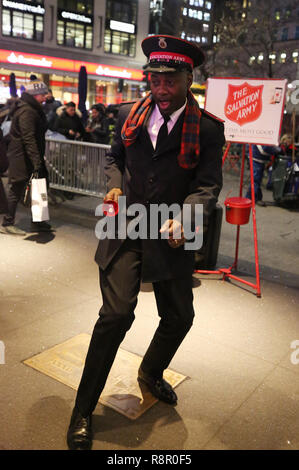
243,103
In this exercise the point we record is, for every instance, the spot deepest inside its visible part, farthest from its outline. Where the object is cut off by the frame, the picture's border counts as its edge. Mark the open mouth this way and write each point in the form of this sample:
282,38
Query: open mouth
163,105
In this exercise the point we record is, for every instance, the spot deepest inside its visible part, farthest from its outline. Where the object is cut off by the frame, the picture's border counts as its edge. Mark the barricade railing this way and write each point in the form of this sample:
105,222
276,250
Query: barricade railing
76,166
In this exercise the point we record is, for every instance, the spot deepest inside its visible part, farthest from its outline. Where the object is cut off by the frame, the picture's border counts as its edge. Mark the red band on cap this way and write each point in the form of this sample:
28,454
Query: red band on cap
166,56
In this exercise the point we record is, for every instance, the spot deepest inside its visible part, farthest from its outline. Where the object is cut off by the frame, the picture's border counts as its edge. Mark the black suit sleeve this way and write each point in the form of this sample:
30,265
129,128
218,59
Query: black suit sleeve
114,168
207,183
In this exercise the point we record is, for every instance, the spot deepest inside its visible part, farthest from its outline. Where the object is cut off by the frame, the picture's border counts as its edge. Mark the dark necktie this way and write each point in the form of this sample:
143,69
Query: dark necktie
163,132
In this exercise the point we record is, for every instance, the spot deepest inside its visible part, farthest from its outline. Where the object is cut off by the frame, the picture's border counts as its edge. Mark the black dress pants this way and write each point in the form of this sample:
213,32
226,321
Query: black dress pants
15,193
120,285
3,198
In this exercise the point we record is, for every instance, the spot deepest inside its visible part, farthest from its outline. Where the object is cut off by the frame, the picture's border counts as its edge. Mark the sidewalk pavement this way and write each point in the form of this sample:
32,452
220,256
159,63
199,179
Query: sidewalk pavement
242,390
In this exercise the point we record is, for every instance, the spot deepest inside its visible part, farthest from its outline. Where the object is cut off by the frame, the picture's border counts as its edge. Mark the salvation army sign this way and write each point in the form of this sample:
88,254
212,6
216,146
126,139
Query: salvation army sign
251,109
243,103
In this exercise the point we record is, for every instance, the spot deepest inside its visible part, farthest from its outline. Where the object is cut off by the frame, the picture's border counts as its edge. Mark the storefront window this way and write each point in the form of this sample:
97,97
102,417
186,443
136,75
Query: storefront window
64,88
120,30
122,10
23,20
120,43
21,77
75,23
106,92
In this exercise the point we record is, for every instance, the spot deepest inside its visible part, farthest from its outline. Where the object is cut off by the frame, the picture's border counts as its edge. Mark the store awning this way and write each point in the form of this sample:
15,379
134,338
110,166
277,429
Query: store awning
52,64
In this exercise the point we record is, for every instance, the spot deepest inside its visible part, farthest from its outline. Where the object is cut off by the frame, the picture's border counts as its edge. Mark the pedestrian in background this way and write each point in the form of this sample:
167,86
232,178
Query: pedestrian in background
26,151
50,106
3,169
111,113
261,155
69,122
286,149
97,125
286,144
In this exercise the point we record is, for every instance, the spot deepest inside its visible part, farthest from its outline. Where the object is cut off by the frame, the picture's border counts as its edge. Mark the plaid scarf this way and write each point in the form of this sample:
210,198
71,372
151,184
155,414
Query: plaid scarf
189,154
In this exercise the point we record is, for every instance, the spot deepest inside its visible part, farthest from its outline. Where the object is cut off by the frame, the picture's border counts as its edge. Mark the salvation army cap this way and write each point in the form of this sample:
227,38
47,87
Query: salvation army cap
36,87
170,54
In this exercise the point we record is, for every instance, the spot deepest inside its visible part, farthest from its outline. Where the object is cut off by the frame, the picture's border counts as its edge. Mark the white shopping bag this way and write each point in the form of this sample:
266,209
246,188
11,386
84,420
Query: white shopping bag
39,200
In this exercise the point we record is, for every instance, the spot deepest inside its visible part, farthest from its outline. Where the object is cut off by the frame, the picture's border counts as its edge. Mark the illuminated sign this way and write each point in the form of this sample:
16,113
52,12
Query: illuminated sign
75,17
124,27
20,59
23,7
68,65
106,71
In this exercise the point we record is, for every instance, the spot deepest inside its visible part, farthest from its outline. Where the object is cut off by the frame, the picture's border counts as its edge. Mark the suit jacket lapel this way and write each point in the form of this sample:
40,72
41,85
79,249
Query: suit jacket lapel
144,136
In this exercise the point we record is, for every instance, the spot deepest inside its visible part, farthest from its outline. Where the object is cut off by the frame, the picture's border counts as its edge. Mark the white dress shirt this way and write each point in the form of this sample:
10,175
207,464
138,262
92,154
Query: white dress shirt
156,120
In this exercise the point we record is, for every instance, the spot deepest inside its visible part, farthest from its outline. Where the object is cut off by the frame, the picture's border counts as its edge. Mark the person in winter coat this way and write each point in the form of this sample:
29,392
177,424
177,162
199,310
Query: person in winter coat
261,154
97,129
111,113
3,169
50,106
26,151
68,122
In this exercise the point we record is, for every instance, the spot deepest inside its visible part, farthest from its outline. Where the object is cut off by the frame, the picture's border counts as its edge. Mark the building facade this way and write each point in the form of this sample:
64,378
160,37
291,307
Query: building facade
51,39
188,19
258,39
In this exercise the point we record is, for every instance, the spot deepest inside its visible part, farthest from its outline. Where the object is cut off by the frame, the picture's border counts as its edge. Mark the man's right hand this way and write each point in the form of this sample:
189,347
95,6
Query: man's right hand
35,173
113,195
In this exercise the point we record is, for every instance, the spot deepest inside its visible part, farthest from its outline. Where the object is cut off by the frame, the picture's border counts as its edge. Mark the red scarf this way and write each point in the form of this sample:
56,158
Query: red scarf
189,154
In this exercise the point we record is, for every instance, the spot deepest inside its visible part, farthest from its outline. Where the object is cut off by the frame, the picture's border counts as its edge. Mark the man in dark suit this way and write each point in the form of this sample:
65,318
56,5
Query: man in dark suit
166,150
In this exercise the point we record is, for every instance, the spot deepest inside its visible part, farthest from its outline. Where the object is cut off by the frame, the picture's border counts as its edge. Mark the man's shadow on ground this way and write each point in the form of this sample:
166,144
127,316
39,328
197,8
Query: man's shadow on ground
33,236
40,237
114,428
109,426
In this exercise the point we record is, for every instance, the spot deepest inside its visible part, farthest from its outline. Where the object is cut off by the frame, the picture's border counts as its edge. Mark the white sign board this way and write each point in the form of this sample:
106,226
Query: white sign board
251,109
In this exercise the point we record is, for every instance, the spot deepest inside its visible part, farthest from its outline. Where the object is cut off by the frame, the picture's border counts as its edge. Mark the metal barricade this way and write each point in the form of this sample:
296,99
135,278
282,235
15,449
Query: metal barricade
76,166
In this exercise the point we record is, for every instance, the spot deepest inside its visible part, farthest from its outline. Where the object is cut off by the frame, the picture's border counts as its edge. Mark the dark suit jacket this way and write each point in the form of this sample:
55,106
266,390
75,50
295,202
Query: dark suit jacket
149,177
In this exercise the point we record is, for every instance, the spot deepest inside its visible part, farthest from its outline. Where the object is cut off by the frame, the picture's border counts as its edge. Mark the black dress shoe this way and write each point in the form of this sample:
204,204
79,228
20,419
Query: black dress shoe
41,227
158,387
79,435
261,203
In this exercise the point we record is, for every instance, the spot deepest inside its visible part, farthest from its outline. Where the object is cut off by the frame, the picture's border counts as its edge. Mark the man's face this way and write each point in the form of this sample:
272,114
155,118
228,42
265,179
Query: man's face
94,113
169,90
49,96
40,98
71,110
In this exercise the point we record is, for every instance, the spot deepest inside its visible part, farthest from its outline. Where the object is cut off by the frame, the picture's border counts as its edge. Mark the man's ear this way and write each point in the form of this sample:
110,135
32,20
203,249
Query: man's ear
189,80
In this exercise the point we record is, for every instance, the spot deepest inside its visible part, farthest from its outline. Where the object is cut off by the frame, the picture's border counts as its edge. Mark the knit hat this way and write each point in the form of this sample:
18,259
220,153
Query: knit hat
36,88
